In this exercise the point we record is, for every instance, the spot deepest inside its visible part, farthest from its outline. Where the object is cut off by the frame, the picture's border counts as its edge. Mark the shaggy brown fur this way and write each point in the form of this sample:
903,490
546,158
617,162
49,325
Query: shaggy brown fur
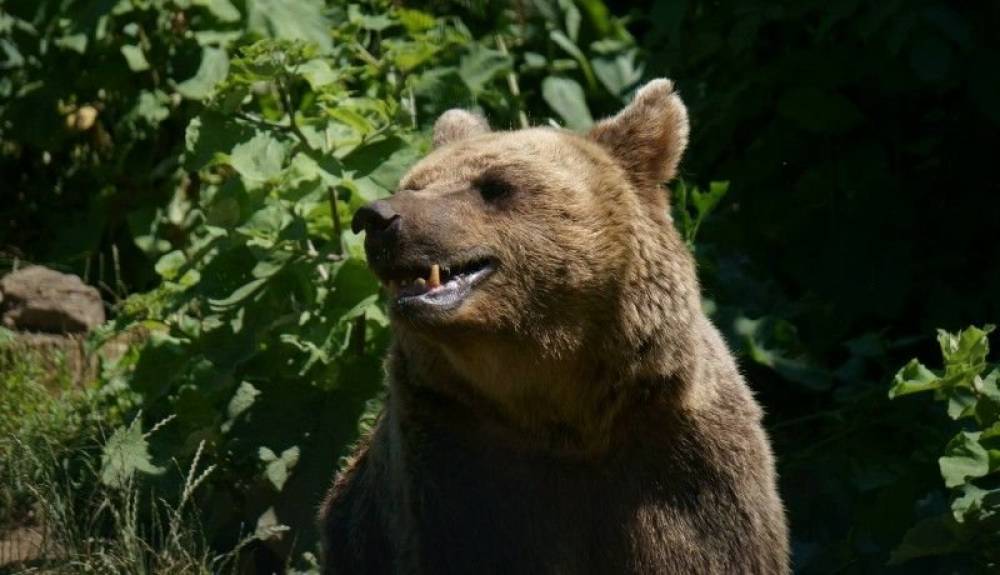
576,412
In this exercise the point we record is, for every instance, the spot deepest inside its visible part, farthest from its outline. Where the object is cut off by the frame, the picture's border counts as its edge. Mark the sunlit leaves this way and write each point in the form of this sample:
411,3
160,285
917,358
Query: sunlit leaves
125,453
567,98
213,68
969,386
259,159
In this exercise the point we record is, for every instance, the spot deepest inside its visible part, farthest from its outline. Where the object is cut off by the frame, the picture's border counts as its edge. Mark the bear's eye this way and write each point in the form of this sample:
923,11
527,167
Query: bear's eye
492,187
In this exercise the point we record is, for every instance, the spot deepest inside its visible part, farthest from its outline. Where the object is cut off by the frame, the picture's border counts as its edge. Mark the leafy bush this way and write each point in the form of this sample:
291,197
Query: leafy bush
971,460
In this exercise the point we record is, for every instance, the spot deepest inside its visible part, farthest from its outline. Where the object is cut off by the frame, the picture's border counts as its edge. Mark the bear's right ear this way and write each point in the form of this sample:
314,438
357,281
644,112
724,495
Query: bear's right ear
456,124
649,135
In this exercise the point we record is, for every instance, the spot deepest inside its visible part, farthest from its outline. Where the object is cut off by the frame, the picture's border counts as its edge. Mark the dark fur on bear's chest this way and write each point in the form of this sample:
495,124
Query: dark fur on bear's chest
658,503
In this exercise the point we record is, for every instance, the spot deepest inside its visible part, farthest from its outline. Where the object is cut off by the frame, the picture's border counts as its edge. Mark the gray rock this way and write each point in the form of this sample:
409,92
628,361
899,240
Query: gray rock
37,298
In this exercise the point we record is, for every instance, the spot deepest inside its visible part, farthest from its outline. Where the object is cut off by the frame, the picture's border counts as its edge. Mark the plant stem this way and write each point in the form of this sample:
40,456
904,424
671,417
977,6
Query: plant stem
512,84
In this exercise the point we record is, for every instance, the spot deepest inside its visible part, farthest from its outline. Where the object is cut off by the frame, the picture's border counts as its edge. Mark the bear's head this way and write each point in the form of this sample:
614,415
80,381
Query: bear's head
528,260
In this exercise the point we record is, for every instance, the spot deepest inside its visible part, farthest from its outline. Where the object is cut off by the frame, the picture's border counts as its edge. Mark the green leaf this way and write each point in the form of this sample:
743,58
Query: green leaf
961,402
224,10
934,536
480,65
964,459
241,401
300,20
125,453
967,505
277,469
259,160
618,73
913,378
967,348
213,69
268,526
135,58
75,42
211,134
566,98
151,108
170,264
318,73
243,292
705,202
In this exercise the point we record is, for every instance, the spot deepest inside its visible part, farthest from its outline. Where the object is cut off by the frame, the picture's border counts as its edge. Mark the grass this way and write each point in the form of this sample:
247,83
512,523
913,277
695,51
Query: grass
60,510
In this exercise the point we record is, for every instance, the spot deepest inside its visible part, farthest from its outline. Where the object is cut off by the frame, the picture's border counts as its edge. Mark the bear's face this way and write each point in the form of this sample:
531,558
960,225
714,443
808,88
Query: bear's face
513,224
525,235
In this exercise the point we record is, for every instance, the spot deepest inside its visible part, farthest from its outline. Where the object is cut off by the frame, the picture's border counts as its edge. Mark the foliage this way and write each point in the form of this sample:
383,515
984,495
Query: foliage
971,459
36,394
74,521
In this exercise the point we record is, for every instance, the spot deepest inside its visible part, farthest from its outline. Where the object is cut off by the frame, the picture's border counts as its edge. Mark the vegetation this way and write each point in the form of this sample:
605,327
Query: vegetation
197,161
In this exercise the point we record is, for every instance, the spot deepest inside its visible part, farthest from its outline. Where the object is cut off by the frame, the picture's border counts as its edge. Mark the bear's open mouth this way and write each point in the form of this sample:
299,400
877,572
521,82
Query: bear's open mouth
437,285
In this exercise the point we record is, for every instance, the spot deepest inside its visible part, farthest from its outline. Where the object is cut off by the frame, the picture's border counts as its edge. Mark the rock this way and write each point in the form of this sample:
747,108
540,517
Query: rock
37,298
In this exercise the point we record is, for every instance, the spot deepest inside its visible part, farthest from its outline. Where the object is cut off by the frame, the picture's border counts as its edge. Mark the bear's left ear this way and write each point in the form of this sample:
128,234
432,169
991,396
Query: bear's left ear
457,124
649,135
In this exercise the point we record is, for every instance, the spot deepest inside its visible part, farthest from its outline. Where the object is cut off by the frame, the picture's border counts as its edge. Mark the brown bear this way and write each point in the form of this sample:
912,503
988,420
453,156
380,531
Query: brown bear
558,401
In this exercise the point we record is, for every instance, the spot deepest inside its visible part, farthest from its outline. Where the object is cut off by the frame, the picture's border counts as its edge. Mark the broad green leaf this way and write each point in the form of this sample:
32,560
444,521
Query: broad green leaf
913,378
277,469
300,20
135,58
480,65
415,21
705,202
151,108
935,536
241,401
268,526
375,23
75,42
566,98
212,70
968,503
964,459
211,134
617,73
125,453
967,348
961,402
572,18
266,224
170,264
318,73
224,10
260,159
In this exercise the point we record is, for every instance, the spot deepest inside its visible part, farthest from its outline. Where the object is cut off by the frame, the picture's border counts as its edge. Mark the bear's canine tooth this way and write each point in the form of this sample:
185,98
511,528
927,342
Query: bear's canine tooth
434,279
421,282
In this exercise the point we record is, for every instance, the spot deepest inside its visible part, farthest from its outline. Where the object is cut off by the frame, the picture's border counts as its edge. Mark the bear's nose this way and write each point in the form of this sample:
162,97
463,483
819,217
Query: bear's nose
375,218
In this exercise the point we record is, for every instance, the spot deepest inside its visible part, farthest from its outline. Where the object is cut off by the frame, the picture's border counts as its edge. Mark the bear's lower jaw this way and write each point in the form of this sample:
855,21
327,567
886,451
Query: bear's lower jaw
427,301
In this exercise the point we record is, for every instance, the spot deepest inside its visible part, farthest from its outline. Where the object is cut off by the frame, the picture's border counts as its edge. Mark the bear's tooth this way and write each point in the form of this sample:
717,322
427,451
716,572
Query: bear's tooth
393,287
434,280
421,283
